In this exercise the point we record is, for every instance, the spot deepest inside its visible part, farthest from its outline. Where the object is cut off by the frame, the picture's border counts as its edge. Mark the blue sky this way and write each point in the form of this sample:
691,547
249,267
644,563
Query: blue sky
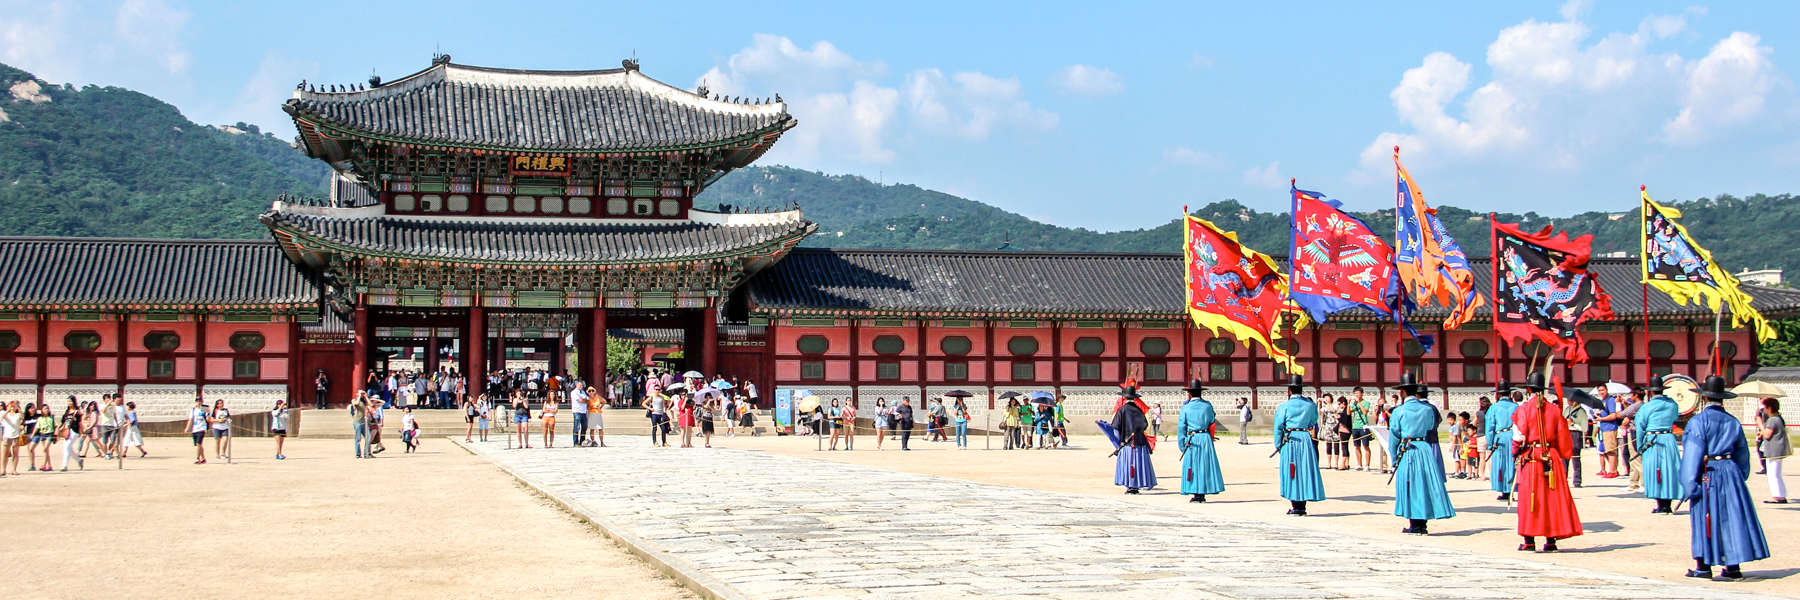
1099,115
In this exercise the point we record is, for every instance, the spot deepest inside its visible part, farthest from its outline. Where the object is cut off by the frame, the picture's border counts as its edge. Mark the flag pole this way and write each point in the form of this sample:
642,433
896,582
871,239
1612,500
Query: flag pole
1644,273
1646,343
1717,358
1494,293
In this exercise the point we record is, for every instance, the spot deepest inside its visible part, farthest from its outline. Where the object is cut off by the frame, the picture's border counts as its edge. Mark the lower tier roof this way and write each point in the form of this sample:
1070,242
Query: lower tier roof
76,273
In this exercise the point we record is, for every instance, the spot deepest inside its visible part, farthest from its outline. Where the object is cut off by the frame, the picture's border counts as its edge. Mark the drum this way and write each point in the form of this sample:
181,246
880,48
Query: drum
1682,389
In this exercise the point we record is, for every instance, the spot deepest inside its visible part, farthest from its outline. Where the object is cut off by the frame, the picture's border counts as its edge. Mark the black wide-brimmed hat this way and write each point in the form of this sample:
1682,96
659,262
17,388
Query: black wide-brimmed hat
1714,389
1655,385
1502,388
1408,383
1194,387
1534,382
1296,383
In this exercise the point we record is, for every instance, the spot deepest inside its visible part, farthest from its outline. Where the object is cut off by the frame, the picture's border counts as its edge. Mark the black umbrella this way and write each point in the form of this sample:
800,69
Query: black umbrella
1010,395
957,394
1585,399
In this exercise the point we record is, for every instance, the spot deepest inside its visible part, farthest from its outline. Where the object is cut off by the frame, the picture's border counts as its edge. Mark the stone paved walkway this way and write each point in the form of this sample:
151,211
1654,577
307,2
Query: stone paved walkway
754,525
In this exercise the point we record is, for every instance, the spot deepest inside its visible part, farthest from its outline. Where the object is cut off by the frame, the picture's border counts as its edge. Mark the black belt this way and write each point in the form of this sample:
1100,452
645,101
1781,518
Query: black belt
1657,431
1411,440
1294,430
1500,431
1719,457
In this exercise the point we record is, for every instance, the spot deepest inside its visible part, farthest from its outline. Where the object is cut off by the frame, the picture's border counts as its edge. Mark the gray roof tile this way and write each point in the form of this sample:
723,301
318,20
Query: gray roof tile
102,272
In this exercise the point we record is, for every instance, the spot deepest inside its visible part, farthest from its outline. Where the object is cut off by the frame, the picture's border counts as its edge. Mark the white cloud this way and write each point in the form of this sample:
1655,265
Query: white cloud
1199,159
1083,80
136,43
1575,9
1558,97
847,112
971,105
259,100
1728,87
1266,177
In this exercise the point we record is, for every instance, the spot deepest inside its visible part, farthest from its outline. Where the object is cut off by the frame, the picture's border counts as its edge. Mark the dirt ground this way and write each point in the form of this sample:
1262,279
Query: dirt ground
440,523
1621,534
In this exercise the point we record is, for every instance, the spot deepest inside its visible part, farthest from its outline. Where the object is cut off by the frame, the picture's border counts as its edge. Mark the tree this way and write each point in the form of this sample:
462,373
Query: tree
1784,350
622,355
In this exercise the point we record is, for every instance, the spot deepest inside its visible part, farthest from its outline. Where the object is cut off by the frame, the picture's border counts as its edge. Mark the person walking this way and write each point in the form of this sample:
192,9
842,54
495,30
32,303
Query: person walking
1244,417
1361,415
1609,419
12,426
548,414
579,403
656,407
1196,432
834,421
1010,423
69,430
221,429
962,423
484,415
1156,412
1133,469
1580,419
1540,444
904,420
1715,463
470,411
321,388
849,424
1773,441
359,423
940,416
1419,492
1498,431
197,424
278,426
596,425
1295,420
43,435
134,436
882,415
1658,452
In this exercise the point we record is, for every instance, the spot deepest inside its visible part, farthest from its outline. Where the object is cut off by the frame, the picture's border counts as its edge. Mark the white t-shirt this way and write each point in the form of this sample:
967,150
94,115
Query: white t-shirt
197,420
750,390
224,417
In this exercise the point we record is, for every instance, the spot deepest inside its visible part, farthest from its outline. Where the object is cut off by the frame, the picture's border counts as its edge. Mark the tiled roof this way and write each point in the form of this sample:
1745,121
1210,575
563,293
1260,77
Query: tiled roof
350,194
823,281
535,240
102,273
616,110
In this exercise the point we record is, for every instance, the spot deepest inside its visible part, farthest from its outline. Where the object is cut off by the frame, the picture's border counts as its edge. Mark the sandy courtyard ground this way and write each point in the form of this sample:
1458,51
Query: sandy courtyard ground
438,524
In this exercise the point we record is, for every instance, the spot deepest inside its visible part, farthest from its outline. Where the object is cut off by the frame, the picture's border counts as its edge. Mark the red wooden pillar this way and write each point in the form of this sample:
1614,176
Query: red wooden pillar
431,350
988,330
856,360
1056,357
1124,359
359,352
119,370
709,338
1187,351
43,351
595,371
475,348
920,347
295,369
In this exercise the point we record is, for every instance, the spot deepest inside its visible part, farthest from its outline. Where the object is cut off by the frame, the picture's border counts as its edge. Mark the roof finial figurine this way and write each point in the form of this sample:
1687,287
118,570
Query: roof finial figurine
301,85
701,90
630,64
440,58
374,80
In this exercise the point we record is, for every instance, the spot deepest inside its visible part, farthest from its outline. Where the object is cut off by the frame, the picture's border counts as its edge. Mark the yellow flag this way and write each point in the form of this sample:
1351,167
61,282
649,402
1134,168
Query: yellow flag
1679,267
1234,289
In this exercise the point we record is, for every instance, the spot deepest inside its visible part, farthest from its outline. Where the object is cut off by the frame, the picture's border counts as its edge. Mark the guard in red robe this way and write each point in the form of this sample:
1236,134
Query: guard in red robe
1540,443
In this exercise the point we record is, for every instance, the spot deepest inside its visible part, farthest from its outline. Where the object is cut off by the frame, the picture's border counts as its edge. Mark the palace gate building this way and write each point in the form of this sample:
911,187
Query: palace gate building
481,218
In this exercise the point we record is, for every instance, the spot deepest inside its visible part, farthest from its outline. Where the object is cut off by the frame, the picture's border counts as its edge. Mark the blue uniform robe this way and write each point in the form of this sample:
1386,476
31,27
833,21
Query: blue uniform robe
1661,451
1199,460
1497,428
1721,518
1419,491
1300,481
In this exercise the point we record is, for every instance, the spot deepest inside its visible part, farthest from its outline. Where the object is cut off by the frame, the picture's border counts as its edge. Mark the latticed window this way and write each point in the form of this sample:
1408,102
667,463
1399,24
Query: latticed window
1022,345
1090,346
812,369
812,344
81,367
161,341
9,340
1350,372
1218,372
956,370
1024,371
1599,349
160,368
1411,349
1418,371
1156,372
1474,372
246,369
1662,349
246,341
1218,347
1599,372
1473,348
889,344
1347,348
887,370
1154,346
956,345
1087,371
81,341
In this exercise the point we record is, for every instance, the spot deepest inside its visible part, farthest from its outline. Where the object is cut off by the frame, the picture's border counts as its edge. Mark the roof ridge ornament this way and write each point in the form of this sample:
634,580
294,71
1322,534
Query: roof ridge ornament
439,58
630,64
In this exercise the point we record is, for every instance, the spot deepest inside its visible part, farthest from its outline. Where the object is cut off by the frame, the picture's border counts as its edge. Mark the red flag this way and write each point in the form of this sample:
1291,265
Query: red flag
1543,290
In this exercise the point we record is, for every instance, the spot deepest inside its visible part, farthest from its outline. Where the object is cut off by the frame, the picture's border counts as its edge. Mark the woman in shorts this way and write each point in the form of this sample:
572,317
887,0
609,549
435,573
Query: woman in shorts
221,429
12,426
44,435
521,418
278,423
483,411
470,411
196,426
549,416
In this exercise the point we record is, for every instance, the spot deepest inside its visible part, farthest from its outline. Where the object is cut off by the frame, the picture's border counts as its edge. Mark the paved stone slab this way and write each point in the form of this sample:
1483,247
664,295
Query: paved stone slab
771,527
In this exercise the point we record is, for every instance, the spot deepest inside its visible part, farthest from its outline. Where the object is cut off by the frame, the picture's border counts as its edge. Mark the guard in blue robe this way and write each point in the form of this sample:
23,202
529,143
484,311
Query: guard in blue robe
1419,492
1497,428
1714,466
1294,422
1655,434
1200,473
1133,471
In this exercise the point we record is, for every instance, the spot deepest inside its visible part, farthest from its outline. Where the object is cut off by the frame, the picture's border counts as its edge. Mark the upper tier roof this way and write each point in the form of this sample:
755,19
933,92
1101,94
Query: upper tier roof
614,110
1057,284
102,273
534,241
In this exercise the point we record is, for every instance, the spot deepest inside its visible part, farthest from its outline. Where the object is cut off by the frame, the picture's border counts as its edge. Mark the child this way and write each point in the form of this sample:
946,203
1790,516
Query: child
1471,447
1456,436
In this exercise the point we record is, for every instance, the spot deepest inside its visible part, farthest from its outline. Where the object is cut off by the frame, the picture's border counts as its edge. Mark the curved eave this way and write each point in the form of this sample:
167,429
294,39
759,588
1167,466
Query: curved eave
775,245
313,126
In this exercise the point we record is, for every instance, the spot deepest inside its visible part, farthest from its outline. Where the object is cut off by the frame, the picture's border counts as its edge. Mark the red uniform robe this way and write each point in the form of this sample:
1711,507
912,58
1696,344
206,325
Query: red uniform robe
1541,442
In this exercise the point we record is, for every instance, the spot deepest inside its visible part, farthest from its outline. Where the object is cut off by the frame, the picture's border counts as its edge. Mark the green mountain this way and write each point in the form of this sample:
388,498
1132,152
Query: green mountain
106,161
855,212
